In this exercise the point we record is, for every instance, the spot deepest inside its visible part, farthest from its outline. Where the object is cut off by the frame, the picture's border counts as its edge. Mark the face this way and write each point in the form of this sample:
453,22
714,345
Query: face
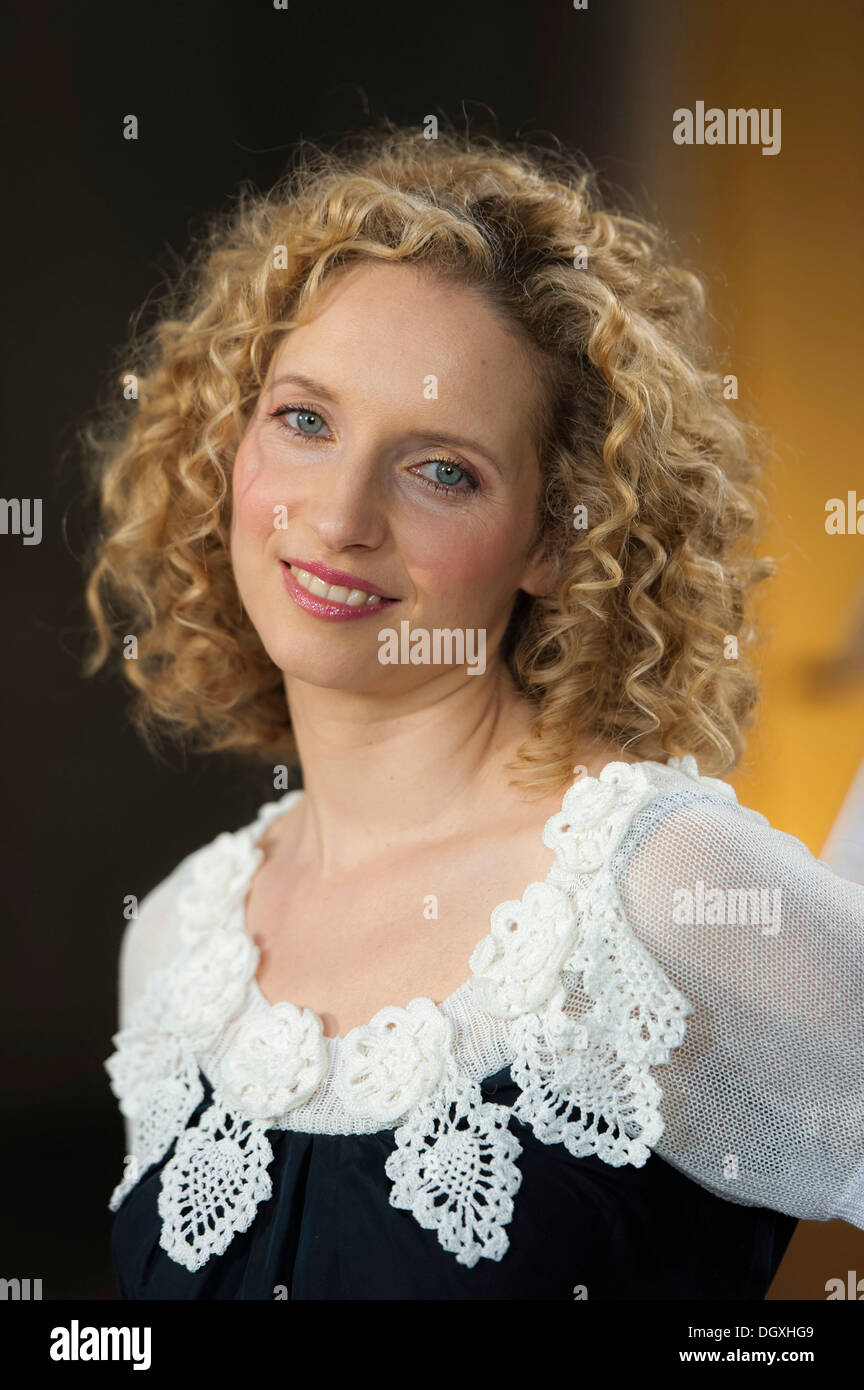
393,443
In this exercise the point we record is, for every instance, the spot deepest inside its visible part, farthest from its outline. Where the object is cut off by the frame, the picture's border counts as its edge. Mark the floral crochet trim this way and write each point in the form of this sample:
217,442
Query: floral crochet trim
454,1168
584,1078
212,1186
154,1071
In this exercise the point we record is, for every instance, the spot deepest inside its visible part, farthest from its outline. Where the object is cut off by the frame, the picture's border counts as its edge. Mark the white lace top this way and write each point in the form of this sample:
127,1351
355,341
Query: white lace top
687,980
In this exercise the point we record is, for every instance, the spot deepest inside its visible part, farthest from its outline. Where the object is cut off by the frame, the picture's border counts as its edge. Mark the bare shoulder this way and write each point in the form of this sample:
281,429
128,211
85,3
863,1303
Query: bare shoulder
592,757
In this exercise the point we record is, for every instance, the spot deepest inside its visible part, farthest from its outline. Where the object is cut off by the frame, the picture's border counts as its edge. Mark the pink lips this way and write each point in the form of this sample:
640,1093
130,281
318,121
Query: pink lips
331,576
325,608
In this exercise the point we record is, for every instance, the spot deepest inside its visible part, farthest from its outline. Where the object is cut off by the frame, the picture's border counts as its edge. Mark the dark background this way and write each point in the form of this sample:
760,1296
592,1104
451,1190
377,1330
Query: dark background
94,223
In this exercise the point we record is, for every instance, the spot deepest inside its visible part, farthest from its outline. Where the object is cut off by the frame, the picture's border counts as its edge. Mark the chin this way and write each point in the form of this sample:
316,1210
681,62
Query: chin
360,671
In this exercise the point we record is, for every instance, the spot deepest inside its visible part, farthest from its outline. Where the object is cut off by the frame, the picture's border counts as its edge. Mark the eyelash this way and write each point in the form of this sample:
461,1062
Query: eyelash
473,482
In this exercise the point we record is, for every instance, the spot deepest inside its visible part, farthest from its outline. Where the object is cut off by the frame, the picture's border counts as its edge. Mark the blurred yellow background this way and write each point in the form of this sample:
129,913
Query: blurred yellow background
779,239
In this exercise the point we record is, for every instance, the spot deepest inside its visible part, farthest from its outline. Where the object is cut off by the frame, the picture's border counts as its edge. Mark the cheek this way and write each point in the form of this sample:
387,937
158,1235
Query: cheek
252,500
455,563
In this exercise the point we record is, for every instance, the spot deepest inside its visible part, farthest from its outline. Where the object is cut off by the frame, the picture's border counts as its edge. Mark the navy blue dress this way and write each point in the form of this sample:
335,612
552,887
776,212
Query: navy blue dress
329,1231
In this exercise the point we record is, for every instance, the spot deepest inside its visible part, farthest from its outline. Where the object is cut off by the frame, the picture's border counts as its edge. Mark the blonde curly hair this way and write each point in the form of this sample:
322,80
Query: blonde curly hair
632,645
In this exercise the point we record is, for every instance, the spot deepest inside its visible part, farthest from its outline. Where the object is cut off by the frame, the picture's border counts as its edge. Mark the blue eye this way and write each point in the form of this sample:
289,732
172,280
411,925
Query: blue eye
444,482
449,468
307,421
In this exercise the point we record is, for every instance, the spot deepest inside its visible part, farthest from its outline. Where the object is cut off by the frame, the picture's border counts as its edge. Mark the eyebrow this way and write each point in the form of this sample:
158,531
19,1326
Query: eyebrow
306,383
453,441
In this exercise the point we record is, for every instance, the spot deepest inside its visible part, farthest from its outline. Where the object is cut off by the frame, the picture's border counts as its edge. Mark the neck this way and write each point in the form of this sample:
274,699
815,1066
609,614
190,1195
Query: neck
382,775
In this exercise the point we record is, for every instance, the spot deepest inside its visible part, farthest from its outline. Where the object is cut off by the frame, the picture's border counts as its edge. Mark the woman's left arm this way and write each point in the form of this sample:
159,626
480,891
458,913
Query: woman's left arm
763,1101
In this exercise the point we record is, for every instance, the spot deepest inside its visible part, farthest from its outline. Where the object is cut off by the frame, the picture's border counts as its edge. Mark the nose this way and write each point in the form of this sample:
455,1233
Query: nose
346,502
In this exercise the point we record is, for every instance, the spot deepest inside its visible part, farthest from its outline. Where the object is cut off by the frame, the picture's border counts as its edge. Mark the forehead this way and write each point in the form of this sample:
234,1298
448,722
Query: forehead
379,331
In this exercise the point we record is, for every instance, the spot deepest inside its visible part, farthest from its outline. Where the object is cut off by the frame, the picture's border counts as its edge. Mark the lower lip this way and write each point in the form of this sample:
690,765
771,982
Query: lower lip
324,608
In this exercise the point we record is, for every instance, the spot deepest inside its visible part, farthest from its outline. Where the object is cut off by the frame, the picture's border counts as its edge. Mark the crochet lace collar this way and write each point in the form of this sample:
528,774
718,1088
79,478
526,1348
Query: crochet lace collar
404,1067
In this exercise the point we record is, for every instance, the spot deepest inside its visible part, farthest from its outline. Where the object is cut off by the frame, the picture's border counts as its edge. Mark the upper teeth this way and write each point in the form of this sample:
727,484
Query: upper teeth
336,593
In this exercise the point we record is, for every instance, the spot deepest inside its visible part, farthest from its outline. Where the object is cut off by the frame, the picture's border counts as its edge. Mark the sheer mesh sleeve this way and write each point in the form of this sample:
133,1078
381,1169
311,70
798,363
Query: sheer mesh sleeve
150,940
763,1102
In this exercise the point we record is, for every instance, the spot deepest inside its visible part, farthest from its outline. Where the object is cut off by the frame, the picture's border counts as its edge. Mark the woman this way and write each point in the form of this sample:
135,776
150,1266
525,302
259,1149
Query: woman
430,482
